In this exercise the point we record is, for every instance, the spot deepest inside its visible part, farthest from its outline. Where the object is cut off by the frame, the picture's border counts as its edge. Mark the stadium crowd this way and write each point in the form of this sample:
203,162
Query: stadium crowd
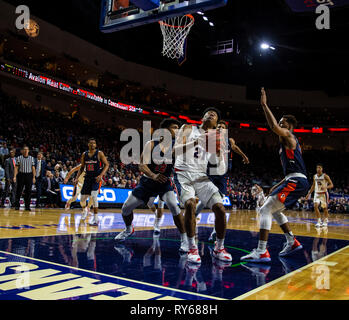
62,140
135,93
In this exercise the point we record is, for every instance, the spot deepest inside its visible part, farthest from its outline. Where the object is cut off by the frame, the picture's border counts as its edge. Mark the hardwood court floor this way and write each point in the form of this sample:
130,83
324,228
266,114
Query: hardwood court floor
145,267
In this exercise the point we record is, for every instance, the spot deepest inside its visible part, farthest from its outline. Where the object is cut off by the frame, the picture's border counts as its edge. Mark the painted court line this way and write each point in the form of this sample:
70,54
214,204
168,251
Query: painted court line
115,277
271,283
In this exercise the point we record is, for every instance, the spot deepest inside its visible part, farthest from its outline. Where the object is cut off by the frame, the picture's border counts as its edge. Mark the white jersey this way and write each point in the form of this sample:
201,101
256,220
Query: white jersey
195,159
320,184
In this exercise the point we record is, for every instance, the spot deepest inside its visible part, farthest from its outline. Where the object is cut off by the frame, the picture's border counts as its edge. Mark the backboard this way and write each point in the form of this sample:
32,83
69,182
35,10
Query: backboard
123,14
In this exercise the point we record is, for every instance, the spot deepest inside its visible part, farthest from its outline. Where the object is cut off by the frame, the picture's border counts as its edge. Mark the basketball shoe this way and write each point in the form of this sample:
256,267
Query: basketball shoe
125,234
193,256
257,256
290,248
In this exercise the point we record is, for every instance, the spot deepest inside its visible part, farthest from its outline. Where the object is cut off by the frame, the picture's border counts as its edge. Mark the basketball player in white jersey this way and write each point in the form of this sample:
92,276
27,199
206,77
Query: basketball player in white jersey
257,191
191,160
158,211
321,183
77,188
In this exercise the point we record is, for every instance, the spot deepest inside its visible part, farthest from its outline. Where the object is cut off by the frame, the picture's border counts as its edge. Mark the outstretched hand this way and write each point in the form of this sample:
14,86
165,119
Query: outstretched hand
263,97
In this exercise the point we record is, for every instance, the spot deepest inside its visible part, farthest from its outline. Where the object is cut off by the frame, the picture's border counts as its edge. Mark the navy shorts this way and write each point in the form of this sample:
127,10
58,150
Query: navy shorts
221,182
291,191
90,184
148,188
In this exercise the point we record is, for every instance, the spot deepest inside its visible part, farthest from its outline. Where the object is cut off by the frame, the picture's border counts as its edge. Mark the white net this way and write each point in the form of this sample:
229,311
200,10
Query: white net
174,32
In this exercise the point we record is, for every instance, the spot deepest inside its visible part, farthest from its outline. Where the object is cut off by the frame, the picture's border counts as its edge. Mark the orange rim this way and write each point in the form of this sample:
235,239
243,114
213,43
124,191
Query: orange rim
171,26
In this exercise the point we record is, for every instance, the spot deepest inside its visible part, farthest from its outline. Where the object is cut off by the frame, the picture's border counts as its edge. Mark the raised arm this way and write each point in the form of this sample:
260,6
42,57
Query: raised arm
273,124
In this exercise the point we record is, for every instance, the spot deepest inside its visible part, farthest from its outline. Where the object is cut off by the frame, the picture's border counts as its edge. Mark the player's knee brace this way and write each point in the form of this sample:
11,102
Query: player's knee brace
271,206
94,197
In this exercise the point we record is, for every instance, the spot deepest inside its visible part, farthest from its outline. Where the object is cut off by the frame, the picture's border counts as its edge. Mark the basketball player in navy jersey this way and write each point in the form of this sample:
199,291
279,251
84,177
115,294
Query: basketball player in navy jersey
155,182
91,162
221,181
287,192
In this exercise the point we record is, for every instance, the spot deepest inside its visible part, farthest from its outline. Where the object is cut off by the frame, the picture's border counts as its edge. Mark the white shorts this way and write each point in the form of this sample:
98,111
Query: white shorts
150,203
321,199
194,184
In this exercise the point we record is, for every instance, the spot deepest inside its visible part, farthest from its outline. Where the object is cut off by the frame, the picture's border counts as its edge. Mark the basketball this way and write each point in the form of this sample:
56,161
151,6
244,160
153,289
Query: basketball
175,150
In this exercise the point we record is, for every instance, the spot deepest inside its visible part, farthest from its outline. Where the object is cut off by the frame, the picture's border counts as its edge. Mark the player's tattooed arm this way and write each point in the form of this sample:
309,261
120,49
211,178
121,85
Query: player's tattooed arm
146,159
329,182
105,162
311,190
237,150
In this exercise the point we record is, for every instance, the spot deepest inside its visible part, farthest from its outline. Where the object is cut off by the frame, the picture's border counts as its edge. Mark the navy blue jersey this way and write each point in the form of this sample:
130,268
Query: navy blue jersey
292,160
165,169
92,165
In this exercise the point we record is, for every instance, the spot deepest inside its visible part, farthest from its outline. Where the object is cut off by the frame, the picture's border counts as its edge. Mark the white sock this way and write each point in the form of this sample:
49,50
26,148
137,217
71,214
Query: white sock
262,245
289,237
220,244
319,220
192,243
156,223
184,237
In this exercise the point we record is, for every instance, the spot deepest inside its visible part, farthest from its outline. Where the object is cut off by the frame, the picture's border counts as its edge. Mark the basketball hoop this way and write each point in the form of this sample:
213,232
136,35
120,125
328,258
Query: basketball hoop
175,31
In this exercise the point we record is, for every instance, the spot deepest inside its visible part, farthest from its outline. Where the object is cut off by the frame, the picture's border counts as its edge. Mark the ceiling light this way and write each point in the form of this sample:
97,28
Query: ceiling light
205,18
265,46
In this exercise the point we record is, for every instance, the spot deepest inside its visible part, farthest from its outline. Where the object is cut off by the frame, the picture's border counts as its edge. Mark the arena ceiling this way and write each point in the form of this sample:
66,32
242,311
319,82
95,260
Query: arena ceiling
304,57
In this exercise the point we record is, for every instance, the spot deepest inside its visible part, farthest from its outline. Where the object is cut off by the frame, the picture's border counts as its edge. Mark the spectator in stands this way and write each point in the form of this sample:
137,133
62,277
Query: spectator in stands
3,152
122,184
10,184
51,190
64,171
57,177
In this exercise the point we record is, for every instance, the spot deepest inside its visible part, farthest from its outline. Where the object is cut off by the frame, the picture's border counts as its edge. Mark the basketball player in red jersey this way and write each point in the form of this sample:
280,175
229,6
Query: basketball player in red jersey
91,163
287,192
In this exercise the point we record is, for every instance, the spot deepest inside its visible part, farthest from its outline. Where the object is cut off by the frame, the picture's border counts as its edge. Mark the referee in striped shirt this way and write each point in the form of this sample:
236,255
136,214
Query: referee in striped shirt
25,177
